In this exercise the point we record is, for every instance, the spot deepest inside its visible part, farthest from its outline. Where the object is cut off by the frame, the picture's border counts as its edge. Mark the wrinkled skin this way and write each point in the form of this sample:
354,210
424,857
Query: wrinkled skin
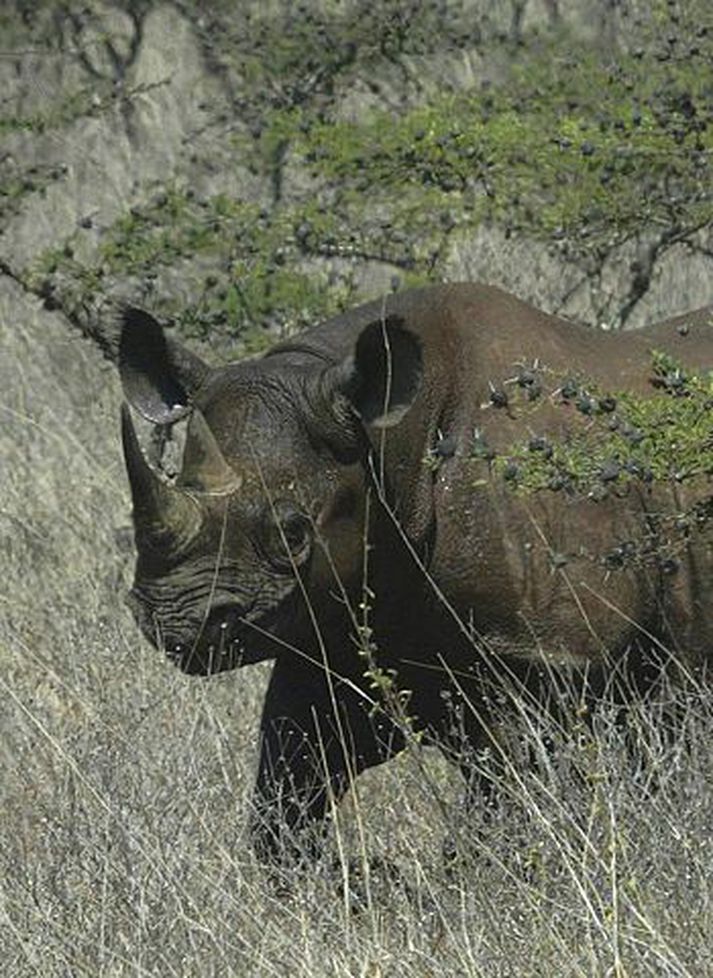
304,497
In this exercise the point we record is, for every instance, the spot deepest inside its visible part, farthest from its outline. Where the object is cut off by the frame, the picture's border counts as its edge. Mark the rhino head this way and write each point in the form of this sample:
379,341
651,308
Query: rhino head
259,540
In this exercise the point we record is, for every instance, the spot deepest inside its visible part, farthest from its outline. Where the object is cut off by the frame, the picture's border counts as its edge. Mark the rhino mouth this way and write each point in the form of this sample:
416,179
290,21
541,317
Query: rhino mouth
228,639
231,635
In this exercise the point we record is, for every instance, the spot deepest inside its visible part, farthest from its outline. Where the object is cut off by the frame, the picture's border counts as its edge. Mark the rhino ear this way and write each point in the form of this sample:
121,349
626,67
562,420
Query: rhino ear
158,375
383,376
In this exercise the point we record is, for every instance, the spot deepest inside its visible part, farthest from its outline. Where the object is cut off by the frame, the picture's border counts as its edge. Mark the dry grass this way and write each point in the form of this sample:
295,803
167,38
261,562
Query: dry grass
125,785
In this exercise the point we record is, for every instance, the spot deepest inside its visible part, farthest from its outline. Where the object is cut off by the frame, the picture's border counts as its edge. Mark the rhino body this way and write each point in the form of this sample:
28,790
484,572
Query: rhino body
355,506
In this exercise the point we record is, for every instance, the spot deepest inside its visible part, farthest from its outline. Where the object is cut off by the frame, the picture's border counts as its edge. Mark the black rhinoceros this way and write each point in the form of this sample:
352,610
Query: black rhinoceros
413,499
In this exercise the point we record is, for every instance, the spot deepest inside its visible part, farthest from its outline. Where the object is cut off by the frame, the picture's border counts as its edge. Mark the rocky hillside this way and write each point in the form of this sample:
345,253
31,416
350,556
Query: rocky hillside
243,168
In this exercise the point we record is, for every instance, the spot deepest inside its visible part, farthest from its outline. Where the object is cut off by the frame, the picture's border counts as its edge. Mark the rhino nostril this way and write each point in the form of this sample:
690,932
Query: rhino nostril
143,618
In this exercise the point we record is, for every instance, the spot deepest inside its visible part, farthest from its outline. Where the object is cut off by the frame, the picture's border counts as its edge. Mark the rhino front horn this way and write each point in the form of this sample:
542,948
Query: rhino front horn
204,466
163,515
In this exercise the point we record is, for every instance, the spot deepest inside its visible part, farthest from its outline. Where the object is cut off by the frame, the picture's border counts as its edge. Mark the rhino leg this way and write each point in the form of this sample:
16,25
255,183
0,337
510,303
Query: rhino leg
315,738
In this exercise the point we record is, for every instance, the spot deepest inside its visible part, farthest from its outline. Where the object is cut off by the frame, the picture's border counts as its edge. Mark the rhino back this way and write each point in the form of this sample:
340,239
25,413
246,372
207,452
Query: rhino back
571,574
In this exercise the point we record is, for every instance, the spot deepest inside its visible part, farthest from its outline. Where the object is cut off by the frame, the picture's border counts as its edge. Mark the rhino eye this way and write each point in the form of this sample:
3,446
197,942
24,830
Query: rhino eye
288,536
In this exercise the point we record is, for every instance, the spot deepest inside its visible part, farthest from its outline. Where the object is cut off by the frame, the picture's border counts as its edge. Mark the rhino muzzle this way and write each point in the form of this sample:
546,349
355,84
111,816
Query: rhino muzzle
215,642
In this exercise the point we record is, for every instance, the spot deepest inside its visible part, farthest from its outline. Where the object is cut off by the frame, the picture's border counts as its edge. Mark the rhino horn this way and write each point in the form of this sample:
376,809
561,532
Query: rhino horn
163,515
204,466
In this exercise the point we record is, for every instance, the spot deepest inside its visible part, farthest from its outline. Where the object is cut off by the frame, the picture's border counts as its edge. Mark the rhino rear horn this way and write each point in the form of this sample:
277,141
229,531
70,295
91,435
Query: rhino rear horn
204,466
164,516
159,376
